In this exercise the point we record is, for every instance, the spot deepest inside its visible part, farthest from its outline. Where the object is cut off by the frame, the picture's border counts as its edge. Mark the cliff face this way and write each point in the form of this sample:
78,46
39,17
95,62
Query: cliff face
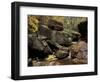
57,40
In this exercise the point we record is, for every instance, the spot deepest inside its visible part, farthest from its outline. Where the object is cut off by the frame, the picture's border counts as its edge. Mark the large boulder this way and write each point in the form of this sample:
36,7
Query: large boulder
37,47
60,38
55,25
79,53
44,31
55,36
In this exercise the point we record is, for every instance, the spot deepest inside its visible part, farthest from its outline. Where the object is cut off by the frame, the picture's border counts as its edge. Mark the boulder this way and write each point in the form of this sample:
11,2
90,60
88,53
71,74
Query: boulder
44,31
79,53
55,25
60,38
60,54
37,47
55,36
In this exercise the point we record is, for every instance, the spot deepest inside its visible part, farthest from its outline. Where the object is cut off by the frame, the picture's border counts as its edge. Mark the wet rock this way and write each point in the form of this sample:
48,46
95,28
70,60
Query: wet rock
79,53
38,63
53,45
41,37
79,61
76,36
60,54
55,25
83,50
54,63
65,61
55,36
74,49
60,38
37,47
45,31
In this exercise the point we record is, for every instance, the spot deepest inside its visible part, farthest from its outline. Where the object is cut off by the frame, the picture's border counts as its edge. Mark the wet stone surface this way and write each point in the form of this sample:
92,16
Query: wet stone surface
74,57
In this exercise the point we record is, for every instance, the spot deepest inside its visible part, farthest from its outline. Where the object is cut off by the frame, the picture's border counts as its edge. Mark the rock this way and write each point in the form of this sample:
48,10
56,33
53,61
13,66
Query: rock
61,39
65,61
37,47
82,54
74,35
55,25
55,36
35,43
48,50
38,63
53,45
41,37
79,61
60,54
54,63
79,53
45,31
74,49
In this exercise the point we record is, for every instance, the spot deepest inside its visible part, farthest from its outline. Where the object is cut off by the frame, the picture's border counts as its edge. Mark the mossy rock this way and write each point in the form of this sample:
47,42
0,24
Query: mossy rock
60,54
55,25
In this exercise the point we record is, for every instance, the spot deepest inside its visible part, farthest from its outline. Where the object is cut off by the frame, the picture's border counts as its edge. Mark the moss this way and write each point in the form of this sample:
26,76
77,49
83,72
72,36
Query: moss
33,23
51,58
